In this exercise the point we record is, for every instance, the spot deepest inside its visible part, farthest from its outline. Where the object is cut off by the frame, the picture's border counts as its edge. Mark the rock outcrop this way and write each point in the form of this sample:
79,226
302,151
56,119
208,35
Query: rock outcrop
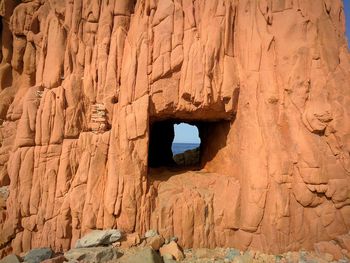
88,88
187,158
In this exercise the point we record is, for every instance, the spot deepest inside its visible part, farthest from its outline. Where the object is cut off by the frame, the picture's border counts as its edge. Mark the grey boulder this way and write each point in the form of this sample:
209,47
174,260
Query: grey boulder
37,255
151,233
99,238
10,259
91,254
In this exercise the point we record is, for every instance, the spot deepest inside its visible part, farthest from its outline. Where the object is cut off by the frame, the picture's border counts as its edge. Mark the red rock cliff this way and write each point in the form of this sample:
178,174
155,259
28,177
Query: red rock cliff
85,83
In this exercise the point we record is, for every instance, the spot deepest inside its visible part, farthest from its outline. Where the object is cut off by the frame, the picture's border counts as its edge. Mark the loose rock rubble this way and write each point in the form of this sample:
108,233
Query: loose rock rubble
153,248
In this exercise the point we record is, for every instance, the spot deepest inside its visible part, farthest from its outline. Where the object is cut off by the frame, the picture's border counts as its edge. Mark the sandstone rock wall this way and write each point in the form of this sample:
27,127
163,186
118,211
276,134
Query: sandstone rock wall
82,81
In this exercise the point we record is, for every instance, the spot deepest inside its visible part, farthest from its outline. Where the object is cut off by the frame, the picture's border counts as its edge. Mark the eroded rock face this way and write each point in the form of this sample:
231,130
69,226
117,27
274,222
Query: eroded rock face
267,82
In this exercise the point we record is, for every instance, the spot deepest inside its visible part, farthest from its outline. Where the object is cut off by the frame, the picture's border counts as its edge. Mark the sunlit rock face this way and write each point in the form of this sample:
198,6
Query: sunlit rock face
82,83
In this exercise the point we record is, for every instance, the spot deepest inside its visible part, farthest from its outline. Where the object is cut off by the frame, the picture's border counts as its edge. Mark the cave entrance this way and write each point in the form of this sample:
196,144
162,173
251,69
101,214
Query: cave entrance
212,141
174,143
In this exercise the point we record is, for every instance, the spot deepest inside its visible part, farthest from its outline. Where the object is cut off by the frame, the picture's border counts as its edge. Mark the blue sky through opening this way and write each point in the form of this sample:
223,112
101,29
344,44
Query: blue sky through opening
185,133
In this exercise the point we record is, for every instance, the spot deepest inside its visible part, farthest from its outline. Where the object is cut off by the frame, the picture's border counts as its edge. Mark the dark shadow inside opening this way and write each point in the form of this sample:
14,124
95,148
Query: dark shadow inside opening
160,141
212,136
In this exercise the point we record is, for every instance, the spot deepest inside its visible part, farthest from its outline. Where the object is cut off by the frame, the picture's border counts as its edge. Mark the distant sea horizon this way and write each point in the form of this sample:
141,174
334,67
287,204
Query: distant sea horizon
180,147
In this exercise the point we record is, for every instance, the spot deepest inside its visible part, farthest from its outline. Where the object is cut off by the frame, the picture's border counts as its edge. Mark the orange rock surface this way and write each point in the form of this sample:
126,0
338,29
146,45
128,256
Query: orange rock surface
90,89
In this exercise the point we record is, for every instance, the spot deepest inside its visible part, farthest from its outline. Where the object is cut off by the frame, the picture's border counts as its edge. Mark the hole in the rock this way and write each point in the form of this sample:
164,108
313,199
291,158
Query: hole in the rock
186,144
211,153
173,143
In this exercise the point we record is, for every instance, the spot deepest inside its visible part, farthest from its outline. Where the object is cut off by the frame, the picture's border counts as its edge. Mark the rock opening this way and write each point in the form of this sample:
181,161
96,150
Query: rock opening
186,144
168,150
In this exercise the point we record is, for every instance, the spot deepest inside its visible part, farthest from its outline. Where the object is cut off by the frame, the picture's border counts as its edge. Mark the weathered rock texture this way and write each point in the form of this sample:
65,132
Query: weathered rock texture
83,82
